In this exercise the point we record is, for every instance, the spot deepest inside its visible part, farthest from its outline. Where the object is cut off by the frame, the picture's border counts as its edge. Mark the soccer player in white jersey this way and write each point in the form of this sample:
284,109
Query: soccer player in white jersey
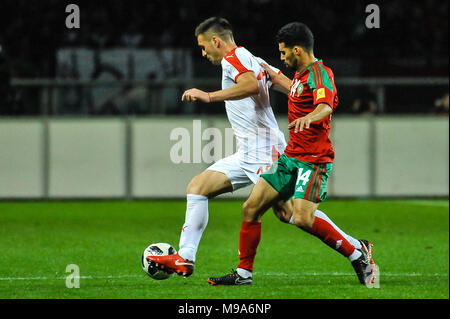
245,90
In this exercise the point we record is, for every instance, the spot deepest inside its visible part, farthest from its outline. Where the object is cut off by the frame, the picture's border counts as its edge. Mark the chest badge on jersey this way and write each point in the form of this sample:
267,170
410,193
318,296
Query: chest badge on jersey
299,89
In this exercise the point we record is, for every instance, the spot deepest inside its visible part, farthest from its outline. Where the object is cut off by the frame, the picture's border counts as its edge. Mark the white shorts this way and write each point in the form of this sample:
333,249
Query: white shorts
239,173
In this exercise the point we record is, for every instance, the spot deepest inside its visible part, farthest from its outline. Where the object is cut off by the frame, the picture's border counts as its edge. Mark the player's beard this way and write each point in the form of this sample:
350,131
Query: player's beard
213,60
293,65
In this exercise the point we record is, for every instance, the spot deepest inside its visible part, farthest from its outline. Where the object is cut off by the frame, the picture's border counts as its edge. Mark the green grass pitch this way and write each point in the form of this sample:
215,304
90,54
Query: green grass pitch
106,239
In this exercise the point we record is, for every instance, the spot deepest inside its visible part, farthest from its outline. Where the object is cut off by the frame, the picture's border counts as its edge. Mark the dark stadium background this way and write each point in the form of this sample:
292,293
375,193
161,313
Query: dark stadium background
412,42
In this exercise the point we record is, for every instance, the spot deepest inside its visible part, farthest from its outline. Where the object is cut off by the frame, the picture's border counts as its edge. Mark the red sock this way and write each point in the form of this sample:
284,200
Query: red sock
330,236
249,238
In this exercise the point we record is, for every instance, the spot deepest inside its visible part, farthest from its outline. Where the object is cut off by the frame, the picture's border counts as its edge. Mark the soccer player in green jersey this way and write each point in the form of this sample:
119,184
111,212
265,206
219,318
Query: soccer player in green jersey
302,171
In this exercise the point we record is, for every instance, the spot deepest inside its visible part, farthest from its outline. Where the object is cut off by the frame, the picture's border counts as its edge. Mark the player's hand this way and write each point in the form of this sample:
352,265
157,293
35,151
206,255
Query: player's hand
272,74
300,123
192,95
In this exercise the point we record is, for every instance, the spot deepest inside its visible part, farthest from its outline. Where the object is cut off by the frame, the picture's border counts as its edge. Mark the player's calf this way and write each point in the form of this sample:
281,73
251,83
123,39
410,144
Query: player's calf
303,215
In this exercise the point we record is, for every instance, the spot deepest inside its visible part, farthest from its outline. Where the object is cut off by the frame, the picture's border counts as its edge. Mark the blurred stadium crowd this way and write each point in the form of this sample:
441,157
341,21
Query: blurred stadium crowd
412,40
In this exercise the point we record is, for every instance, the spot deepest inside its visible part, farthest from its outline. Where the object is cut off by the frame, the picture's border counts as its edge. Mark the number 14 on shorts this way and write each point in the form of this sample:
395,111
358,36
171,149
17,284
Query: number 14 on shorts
302,180
303,176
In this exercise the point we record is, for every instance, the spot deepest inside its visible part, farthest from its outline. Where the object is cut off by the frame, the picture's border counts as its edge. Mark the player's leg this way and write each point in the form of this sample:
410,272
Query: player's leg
309,192
202,187
303,217
275,184
210,184
283,210
221,177
355,242
262,197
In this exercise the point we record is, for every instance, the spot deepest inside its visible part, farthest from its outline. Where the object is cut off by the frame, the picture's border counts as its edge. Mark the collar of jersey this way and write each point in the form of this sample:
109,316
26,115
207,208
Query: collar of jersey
304,69
231,52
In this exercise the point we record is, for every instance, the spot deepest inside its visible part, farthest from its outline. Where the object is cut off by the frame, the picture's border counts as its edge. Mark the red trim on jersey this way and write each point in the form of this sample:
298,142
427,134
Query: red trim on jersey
313,185
319,73
314,76
234,61
320,183
320,66
260,75
275,154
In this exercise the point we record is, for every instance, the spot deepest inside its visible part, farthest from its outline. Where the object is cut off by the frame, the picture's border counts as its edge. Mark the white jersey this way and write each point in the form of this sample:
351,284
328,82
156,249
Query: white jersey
256,130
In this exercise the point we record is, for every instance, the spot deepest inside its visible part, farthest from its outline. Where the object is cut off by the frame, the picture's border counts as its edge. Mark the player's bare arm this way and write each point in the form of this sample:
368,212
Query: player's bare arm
320,112
194,94
247,85
280,81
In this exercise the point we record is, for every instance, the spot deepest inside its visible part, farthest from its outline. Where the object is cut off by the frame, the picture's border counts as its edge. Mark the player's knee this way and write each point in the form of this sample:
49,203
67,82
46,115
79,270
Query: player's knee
196,187
249,211
247,208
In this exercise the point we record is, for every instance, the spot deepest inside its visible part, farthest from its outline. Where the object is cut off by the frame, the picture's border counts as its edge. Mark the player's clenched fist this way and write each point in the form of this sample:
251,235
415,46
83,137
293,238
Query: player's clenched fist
192,95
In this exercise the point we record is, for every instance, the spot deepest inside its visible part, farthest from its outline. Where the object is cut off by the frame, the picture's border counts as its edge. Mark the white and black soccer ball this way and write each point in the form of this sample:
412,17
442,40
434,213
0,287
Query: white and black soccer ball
156,249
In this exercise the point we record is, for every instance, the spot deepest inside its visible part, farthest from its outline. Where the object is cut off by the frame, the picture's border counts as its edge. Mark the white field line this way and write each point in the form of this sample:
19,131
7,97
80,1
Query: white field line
74,277
353,274
276,274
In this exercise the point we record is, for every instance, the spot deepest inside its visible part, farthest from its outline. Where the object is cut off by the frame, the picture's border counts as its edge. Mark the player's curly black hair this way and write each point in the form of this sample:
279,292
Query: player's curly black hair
215,25
296,33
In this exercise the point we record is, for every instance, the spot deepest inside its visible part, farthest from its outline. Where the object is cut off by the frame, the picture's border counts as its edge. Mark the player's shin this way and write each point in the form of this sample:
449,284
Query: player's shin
194,225
318,213
249,238
333,238
355,242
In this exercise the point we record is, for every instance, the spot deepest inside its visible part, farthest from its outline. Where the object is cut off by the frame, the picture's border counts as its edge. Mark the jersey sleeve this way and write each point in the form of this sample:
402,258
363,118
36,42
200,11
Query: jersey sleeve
237,64
322,85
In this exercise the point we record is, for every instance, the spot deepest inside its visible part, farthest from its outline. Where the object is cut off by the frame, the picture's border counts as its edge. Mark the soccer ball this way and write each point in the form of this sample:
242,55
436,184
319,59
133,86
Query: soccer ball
157,249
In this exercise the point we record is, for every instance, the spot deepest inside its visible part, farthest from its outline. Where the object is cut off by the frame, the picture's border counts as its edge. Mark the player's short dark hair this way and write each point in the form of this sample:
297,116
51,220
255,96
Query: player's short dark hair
296,33
215,25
